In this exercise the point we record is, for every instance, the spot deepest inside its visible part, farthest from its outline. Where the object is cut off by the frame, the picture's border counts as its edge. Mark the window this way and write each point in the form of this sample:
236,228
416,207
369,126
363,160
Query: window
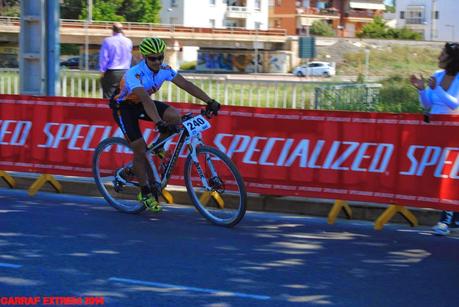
415,15
212,2
402,15
258,4
173,3
257,25
230,23
212,23
437,15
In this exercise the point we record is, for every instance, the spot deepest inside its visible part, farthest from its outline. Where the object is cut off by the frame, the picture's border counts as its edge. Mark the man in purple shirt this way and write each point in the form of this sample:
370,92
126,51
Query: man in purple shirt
114,60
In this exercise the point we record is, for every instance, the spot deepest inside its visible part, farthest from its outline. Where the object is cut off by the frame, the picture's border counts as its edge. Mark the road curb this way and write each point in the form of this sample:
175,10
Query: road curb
263,203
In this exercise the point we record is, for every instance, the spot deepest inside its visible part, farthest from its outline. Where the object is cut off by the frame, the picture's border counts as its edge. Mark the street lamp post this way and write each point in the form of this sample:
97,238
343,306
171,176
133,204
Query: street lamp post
433,27
86,41
367,63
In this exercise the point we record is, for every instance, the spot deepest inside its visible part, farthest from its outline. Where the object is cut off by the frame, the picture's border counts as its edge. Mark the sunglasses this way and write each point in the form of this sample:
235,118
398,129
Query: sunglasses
155,58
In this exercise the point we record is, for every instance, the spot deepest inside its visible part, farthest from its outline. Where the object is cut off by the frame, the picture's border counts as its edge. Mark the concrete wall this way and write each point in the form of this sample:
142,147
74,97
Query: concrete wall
243,61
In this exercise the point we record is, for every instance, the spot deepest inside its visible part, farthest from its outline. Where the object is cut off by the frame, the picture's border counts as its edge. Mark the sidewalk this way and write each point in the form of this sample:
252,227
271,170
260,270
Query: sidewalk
291,205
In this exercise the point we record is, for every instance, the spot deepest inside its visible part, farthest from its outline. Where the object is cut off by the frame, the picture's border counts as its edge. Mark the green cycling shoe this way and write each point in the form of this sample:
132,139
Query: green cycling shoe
149,201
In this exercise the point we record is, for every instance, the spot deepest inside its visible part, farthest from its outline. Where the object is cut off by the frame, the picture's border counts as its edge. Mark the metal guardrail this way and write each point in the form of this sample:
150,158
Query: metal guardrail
137,26
226,89
356,97
256,93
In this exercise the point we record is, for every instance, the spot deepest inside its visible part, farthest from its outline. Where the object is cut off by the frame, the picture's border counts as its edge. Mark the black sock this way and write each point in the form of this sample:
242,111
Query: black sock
145,190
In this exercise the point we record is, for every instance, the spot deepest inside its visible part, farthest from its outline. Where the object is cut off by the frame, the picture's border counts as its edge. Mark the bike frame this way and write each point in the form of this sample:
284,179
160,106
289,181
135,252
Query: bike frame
184,139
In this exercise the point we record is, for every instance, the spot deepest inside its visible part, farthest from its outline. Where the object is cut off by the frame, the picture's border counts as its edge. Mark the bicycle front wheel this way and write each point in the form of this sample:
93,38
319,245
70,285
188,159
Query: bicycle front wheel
219,194
111,156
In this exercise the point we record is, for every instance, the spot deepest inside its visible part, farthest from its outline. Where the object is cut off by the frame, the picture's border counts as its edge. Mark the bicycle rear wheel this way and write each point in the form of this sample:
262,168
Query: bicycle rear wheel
111,156
225,202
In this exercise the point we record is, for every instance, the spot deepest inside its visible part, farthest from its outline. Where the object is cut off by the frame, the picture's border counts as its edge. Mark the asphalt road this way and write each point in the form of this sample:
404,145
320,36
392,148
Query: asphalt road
70,246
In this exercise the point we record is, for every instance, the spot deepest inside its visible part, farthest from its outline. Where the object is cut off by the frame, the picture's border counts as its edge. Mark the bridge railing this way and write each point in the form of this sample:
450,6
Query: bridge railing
6,20
224,88
228,89
138,26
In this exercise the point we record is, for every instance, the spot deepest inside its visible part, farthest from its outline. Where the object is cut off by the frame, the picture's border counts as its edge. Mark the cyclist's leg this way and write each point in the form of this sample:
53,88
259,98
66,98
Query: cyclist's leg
128,120
167,113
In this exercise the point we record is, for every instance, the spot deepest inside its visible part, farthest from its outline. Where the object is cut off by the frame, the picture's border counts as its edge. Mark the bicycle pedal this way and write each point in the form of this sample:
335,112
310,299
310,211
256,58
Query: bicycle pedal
117,186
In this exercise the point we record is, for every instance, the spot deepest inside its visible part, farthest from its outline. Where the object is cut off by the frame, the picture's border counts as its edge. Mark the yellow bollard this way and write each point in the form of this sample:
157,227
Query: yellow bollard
335,210
218,199
8,179
44,178
167,196
205,197
390,212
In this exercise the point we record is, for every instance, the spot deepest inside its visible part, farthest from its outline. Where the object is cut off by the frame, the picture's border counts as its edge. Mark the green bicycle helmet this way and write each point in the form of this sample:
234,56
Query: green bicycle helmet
152,45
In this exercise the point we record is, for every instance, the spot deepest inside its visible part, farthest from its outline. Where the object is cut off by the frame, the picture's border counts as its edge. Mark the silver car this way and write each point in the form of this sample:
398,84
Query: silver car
324,69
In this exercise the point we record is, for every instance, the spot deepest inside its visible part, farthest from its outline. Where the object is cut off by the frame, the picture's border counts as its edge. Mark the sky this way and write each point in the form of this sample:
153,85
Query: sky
388,2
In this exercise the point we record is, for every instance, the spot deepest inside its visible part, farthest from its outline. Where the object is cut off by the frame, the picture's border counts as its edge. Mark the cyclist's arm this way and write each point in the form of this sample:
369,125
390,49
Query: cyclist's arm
148,104
190,88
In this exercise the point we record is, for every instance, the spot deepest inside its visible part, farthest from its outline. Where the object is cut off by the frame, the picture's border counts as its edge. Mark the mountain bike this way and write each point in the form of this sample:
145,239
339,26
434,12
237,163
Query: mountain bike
212,180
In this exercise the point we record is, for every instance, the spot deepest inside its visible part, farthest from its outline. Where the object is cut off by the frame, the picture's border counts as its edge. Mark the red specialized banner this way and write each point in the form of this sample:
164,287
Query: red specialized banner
372,157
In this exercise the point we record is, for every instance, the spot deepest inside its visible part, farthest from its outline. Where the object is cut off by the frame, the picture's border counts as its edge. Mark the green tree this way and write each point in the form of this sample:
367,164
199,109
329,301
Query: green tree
104,10
322,28
11,8
378,29
71,9
141,10
375,29
151,11
122,10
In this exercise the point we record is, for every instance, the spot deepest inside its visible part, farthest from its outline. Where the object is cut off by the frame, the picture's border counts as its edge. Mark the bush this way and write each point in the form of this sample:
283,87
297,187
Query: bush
188,65
322,28
378,29
70,49
399,96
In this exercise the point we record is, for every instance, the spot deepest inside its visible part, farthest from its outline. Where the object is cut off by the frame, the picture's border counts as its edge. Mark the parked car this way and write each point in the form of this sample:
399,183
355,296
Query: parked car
72,63
324,69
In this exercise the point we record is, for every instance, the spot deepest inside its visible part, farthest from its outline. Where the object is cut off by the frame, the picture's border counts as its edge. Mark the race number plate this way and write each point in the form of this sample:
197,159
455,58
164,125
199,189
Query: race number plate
196,125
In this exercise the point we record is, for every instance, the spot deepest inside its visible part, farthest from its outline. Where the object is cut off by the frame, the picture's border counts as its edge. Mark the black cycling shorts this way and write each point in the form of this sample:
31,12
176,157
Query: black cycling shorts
127,116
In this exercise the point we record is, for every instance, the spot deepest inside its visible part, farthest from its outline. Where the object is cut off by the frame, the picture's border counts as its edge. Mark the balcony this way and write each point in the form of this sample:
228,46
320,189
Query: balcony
363,15
330,13
237,12
415,21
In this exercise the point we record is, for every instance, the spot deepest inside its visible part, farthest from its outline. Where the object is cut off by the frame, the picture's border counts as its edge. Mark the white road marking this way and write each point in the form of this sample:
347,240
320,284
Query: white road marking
9,265
178,287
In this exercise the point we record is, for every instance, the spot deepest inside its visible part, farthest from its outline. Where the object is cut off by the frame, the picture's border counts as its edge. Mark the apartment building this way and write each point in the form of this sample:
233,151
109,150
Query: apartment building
347,17
434,19
248,14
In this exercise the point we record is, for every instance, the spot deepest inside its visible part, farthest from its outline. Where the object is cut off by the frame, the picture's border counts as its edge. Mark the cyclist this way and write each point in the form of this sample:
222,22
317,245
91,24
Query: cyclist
133,102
